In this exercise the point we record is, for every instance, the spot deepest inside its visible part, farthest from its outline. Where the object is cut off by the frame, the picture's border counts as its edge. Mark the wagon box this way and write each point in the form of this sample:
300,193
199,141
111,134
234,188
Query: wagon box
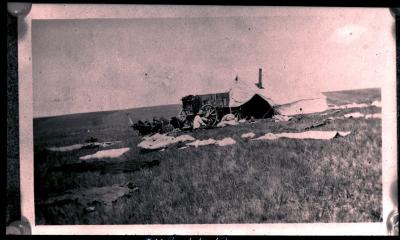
194,103
213,105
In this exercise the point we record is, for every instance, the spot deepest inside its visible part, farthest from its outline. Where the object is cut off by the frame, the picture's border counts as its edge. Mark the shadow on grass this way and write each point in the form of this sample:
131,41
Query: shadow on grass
106,167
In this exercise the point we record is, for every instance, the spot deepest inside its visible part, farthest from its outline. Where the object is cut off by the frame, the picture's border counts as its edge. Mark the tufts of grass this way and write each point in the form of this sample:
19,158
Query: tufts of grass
284,180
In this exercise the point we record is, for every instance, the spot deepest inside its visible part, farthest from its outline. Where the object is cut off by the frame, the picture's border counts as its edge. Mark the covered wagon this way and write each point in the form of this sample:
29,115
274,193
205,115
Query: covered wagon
245,100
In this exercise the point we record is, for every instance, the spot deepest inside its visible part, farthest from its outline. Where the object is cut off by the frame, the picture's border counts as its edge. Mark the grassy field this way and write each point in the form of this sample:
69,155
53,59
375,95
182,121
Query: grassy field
284,180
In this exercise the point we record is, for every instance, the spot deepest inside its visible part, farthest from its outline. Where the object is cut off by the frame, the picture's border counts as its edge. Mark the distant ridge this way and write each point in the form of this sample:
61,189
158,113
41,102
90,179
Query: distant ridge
354,90
106,111
103,119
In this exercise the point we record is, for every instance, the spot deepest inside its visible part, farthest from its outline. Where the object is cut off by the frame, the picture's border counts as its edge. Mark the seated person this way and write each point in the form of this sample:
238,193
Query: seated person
228,119
199,120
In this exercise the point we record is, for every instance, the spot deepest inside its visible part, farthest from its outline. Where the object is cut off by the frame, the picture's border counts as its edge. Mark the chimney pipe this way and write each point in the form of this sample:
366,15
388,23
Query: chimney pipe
259,85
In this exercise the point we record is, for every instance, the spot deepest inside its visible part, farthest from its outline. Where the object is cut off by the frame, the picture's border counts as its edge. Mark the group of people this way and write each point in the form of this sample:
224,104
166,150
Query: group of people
146,127
199,122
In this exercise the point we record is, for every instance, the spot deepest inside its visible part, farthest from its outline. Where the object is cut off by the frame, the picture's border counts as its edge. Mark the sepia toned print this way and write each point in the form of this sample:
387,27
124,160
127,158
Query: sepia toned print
207,120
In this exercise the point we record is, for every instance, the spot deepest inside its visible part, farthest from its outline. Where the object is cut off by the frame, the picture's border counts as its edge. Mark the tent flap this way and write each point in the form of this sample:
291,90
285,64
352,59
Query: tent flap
305,106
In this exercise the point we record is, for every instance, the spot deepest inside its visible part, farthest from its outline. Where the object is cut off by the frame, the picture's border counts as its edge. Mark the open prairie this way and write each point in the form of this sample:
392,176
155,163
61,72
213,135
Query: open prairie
269,181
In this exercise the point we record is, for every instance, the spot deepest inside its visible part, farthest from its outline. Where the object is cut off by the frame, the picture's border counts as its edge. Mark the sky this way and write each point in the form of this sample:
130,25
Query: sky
87,65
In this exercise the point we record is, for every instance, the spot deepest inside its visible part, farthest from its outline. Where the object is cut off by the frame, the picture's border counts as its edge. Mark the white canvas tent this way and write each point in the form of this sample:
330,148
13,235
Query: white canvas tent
283,102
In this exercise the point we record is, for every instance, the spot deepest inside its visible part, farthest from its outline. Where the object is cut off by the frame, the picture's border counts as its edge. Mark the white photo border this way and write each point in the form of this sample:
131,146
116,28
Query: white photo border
104,11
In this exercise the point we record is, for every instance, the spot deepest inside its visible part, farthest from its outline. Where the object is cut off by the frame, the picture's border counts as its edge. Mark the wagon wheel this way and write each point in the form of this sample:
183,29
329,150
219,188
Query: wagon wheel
211,114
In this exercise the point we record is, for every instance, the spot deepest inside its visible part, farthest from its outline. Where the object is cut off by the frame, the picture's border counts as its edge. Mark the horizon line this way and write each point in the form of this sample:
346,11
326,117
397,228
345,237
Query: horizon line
138,107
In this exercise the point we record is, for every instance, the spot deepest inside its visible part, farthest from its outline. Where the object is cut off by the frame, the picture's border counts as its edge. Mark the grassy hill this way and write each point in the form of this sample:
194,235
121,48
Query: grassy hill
60,127
279,181
353,96
106,118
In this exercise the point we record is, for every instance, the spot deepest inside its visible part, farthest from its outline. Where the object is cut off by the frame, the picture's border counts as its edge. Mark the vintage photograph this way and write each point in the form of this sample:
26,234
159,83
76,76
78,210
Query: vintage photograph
206,120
